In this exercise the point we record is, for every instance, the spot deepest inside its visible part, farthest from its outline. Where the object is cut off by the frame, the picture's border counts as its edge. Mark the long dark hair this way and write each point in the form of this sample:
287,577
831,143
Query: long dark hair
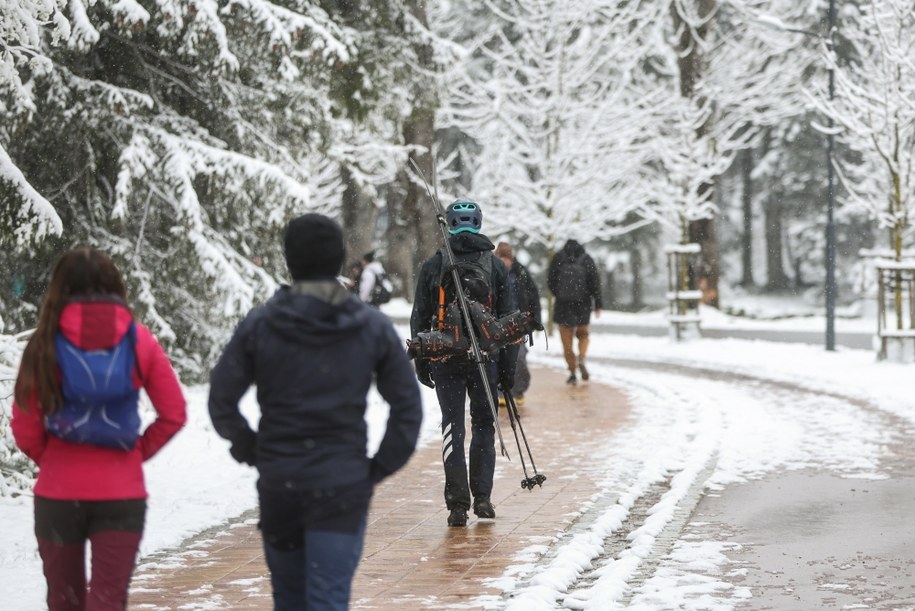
81,271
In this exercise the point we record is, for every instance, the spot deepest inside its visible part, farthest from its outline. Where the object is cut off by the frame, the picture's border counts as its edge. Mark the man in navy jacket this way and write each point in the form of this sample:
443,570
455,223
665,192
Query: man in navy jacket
313,351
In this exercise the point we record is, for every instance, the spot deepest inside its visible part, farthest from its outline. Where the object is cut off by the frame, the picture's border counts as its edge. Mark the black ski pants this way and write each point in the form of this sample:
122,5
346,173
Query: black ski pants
454,382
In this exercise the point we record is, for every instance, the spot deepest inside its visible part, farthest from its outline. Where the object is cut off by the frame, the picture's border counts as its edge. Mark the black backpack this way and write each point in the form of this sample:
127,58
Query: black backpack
448,337
381,292
572,279
476,278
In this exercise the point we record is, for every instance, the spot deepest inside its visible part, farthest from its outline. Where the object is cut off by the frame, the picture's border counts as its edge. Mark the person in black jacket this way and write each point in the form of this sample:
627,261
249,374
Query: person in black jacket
312,351
575,299
527,298
458,377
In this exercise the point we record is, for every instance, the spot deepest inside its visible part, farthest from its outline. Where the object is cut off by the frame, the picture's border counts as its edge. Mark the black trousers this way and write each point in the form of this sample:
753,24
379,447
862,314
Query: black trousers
454,382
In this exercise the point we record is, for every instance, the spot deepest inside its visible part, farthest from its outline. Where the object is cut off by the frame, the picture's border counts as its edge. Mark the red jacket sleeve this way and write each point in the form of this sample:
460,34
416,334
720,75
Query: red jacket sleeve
29,432
162,386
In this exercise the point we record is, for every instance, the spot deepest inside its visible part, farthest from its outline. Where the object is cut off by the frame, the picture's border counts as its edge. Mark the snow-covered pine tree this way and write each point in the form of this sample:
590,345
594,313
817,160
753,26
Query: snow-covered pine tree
180,136
16,471
27,28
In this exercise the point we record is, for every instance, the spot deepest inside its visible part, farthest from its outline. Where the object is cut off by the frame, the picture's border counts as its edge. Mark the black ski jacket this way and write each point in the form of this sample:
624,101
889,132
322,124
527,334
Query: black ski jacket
527,293
313,351
568,312
465,246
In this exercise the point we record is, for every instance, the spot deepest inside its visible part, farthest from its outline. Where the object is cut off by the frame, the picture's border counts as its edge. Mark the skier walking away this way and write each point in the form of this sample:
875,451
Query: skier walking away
313,351
527,299
573,280
459,377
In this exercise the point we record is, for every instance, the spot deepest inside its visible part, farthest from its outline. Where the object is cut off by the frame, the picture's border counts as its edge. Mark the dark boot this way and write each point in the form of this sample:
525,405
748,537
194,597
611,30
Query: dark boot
457,517
483,508
583,370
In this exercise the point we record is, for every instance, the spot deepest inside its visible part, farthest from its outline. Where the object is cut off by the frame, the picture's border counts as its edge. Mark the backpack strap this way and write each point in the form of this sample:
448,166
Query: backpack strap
441,301
132,340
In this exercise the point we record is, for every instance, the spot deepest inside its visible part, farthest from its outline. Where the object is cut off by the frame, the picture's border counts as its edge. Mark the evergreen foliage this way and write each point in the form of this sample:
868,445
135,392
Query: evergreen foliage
180,137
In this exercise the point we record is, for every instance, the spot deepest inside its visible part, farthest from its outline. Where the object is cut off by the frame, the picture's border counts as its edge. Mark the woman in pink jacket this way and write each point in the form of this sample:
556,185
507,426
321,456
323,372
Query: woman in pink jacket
87,492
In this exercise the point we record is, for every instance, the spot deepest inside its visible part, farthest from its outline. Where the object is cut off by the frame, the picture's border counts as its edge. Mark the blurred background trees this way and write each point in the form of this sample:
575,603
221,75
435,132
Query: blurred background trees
181,136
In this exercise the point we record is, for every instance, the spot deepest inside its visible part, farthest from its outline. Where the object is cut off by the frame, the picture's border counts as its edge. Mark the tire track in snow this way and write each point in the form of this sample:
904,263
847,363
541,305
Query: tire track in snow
602,552
618,542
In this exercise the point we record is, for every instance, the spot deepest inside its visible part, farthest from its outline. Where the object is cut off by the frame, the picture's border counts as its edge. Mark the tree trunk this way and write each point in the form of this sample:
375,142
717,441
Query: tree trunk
359,216
691,64
746,246
704,232
413,234
776,279
690,59
635,262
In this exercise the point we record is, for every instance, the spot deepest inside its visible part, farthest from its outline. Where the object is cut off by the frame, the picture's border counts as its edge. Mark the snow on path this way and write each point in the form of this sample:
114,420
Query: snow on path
701,433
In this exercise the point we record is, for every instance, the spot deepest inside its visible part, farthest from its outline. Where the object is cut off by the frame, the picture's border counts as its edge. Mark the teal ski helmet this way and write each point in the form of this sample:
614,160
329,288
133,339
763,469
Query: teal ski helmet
464,215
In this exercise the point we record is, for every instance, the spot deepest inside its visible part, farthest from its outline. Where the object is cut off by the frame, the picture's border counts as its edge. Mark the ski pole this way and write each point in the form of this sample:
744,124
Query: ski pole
514,416
511,420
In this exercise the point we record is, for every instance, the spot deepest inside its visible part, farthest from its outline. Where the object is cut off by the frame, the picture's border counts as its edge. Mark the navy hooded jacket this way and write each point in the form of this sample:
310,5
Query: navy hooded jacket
313,351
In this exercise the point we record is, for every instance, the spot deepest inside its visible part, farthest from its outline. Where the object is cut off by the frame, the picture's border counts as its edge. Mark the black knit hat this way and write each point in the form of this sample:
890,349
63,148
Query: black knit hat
313,245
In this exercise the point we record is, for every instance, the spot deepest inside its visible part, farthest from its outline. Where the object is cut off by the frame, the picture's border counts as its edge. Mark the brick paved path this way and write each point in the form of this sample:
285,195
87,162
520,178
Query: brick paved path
412,560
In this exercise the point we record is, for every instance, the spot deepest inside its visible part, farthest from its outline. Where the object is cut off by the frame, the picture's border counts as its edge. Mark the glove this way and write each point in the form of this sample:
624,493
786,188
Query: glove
424,372
244,448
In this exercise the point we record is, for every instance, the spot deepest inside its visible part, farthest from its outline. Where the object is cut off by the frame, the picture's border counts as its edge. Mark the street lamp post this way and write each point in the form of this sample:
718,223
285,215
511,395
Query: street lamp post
830,255
830,289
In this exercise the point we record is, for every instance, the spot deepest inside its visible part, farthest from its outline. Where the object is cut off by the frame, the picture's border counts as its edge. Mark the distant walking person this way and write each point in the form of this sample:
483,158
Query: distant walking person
574,281
527,299
76,415
373,288
313,351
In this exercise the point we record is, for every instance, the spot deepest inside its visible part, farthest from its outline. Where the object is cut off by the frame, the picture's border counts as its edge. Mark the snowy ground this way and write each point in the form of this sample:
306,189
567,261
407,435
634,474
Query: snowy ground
194,484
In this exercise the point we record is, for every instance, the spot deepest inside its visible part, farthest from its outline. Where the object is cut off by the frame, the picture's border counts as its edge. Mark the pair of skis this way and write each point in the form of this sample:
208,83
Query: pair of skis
477,356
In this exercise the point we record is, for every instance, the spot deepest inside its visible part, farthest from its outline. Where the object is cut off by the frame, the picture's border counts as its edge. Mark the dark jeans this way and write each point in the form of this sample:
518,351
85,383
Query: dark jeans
312,542
453,384
113,529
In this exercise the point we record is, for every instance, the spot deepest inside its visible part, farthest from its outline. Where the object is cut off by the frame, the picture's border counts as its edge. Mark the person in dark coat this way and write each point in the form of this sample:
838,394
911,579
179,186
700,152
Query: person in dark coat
312,351
458,377
573,304
527,299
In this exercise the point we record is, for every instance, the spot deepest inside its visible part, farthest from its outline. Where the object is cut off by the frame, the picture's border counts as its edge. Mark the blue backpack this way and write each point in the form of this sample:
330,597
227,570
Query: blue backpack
100,403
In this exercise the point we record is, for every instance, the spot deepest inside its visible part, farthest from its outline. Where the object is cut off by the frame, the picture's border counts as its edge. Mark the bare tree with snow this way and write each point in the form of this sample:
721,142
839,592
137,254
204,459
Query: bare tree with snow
544,94
873,107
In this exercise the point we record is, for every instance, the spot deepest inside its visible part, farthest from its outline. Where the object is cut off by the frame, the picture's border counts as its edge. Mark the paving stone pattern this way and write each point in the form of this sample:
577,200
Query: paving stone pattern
412,559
